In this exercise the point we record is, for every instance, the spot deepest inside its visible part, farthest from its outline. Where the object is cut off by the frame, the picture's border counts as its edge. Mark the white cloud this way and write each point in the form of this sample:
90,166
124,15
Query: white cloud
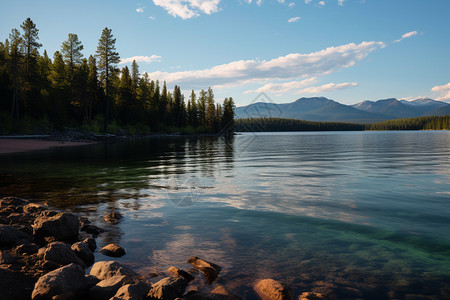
291,66
341,2
151,18
292,4
406,35
145,59
284,88
291,20
443,91
308,1
187,9
330,87
140,10
322,3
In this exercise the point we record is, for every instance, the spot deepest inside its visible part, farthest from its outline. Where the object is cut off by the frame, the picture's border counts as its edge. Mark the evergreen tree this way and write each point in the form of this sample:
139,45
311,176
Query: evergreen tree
92,87
15,56
202,105
134,76
107,59
71,51
228,116
30,44
210,112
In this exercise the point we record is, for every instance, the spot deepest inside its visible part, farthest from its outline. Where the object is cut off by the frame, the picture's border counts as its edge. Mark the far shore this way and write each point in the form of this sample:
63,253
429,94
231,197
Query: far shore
8,146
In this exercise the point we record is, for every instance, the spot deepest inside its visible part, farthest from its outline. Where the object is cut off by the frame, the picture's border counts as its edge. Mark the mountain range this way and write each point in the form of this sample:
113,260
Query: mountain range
323,109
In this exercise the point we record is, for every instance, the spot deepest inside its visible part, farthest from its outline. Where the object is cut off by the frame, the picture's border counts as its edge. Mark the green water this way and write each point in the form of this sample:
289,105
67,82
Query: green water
352,214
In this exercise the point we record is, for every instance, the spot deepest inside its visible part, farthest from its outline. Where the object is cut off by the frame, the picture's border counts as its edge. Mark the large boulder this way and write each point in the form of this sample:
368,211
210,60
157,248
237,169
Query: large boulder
11,236
113,250
270,289
107,269
82,251
210,270
136,291
60,253
178,272
69,279
168,288
62,226
107,288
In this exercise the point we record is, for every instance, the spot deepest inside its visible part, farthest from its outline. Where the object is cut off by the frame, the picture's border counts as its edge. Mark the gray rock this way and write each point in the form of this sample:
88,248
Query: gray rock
113,250
61,281
6,258
107,269
270,289
136,291
62,226
88,240
10,236
82,251
60,253
107,288
210,270
167,288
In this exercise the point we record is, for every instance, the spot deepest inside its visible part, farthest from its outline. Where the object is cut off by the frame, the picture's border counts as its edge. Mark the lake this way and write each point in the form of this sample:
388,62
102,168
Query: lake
351,214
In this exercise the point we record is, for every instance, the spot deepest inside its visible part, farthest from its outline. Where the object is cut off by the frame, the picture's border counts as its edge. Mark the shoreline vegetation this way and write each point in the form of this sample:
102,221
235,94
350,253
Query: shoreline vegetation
44,254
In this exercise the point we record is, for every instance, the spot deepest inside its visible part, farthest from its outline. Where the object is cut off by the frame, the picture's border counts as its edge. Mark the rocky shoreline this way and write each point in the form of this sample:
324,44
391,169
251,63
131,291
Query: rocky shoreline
44,254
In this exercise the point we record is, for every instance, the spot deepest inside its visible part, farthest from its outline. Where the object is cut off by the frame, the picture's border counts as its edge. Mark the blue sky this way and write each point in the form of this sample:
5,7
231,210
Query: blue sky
349,50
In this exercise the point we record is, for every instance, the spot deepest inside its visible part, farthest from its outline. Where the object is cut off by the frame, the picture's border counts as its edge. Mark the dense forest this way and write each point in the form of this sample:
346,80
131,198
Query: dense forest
278,124
421,123
39,93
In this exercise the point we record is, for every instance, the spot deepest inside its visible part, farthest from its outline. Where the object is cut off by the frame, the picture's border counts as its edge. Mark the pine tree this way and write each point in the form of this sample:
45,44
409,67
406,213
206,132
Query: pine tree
30,44
71,51
202,105
107,59
210,111
228,116
134,76
15,55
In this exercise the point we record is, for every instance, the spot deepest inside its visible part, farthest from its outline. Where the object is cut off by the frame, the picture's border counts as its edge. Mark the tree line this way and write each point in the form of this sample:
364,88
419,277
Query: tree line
280,124
93,93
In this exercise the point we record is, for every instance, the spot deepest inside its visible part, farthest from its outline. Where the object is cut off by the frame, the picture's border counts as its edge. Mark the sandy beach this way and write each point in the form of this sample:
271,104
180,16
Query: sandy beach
24,145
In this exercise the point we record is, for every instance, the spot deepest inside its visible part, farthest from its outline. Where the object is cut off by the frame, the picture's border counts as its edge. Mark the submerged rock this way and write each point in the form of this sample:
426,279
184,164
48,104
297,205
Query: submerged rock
113,217
68,279
113,250
107,269
92,229
62,226
270,289
167,288
210,270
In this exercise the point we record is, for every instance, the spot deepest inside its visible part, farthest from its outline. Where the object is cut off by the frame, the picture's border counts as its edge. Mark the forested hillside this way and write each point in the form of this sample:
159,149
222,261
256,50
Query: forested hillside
421,123
42,93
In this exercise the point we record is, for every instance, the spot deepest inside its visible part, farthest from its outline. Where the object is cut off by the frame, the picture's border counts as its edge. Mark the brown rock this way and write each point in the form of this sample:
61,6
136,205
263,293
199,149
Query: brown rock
107,288
82,251
167,288
113,250
60,253
135,291
6,258
67,279
92,229
270,289
186,276
312,296
26,249
63,226
10,236
15,201
34,208
210,270
113,217
106,269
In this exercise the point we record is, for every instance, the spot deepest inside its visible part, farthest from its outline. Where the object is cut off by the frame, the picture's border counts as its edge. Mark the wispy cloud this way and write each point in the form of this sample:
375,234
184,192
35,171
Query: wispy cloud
341,2
443,91
145,59
140,10
284,88
289,67
308,1
295,19
187,9
406,35
330,87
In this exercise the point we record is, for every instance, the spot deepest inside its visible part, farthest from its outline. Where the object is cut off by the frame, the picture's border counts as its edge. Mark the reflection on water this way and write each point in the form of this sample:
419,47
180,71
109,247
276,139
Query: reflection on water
363,214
